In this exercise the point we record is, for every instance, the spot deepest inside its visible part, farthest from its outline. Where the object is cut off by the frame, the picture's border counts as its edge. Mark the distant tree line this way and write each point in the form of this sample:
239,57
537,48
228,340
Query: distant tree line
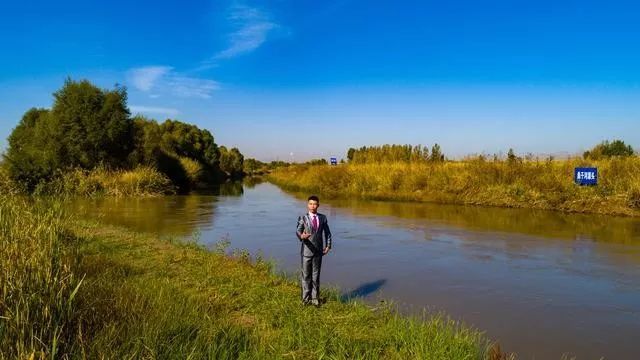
89,127
607,149
418,153
257,167
395,153
317,162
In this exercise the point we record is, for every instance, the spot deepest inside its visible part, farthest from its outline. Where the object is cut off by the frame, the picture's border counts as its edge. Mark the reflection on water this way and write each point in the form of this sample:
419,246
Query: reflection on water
175,215
542,283
252,181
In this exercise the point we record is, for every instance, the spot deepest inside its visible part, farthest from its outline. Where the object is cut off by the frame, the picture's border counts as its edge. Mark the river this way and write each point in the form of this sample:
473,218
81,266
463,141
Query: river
541,283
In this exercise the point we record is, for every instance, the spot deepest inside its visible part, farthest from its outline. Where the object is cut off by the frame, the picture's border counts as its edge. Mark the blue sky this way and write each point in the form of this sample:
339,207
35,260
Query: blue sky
312,78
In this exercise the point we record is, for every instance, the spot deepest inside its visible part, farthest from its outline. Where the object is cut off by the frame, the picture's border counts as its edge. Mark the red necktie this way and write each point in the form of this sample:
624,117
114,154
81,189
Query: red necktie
314,223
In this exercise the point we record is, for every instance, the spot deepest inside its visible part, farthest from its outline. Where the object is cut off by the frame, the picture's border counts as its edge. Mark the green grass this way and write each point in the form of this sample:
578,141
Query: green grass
518,184
140,296
38,280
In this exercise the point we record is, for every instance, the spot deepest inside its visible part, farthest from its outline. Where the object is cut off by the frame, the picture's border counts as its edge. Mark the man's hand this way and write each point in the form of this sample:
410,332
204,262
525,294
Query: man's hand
326,250
305,236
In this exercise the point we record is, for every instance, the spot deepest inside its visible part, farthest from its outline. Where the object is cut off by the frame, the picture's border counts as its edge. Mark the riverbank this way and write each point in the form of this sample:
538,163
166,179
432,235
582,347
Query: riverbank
82,289
546,185
141,181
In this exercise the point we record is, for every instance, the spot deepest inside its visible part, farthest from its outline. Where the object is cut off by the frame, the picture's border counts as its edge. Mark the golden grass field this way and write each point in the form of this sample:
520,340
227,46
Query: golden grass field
520,184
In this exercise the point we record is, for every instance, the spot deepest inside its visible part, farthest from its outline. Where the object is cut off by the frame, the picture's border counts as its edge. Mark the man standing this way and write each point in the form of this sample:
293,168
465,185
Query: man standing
315,238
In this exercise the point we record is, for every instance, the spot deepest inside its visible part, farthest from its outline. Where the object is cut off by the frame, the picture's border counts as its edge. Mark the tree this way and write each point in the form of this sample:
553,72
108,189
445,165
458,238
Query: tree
147,136
92,125
317,162
350,153
231,161
89,127
388,153
436,153
608,149
512,158
253,166
86,127
188,140
31,155
186,154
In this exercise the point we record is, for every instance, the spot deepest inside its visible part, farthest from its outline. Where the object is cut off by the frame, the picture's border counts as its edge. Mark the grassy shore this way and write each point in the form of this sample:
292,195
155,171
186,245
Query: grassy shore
141,181
519,184
78,289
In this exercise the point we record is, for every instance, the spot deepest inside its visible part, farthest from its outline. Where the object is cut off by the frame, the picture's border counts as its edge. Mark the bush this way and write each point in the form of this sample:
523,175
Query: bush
193,169
142,181
608,149
8,186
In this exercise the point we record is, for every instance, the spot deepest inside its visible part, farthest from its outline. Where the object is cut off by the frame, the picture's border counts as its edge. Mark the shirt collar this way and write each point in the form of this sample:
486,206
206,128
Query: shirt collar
311,215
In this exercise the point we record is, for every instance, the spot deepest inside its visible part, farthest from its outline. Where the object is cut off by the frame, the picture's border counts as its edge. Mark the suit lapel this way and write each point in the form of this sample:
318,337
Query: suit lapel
307,223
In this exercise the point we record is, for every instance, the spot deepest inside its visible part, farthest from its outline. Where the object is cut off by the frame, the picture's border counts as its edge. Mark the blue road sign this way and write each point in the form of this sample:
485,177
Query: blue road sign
586,176
334,161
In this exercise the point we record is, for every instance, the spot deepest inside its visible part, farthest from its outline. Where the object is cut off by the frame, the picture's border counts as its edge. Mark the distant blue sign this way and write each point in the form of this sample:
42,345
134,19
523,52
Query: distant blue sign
334,161
586,176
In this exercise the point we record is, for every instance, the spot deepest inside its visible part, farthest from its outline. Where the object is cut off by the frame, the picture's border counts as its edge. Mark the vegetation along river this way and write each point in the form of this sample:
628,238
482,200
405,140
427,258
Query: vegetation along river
541,283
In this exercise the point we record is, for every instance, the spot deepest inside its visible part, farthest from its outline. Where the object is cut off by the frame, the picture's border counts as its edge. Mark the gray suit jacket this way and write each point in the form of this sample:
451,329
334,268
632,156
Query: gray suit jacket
313,246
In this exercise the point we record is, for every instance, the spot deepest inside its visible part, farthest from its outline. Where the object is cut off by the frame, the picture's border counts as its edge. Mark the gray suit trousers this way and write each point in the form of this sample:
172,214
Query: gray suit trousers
311,277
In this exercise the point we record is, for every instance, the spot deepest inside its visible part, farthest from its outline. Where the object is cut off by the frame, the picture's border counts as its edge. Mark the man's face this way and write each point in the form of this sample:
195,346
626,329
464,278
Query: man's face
312,205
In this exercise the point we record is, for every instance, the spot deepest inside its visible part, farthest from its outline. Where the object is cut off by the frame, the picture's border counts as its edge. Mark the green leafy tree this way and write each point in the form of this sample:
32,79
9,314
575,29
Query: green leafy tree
89,127
388,153
512,158
436,154
31,155
92,125
350,154
253,166
186,154
608,149
189,141
147,137
86,127
317,162
231,161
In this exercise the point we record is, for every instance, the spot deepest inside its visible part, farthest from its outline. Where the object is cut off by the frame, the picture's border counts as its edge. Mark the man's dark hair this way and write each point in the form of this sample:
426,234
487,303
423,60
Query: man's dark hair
314,198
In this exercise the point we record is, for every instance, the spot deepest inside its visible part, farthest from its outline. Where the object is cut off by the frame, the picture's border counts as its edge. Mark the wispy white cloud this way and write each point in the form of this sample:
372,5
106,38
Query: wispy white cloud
164,80
192,87
145,78
252,27
153,110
